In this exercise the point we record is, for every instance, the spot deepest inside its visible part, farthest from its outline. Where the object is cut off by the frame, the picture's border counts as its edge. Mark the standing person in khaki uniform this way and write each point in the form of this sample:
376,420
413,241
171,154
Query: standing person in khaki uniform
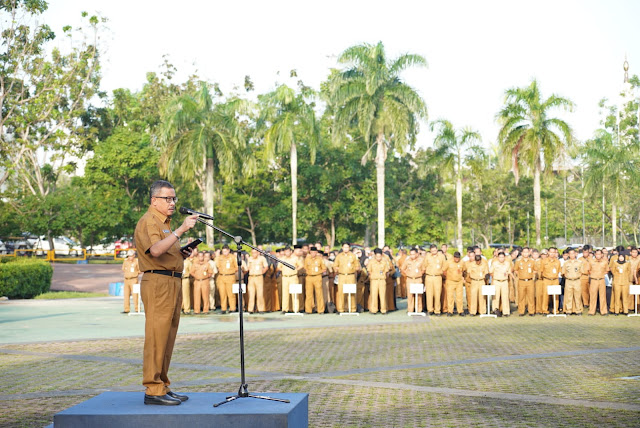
454,279
186,282
622,277
289,276
501,270
315,268
161,261
539,281
525,270
598,268
634,261
227,265
131,272
326,277
413,270
433,266
379,268
402,281
201,272
571,271
391,282
477,271
210,257
584,275
346,265
256,266
550,271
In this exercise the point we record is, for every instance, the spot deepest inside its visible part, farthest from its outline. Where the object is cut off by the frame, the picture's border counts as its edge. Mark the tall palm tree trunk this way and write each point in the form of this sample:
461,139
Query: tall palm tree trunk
459,213
381,156
208,197
294,193
537,209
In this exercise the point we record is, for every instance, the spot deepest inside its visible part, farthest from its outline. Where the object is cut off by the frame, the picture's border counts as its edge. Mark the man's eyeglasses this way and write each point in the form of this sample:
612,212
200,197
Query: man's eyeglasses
169,199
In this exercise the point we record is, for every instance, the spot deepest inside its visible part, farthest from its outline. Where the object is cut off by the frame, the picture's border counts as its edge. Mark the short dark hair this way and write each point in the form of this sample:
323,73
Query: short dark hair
456,254
156,186
501,253
433,246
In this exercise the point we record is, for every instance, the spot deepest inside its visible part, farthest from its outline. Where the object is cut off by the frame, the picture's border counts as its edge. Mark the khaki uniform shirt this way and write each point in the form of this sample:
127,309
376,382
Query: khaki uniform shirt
346,263
186,271
434,265
292,260
151,228
200,270
586,264
635,265
227,265
314,265
500,271
130,268
454,271
598,268
212,265
525,268
550,268
571,269
257,265
379,269
413,269
477,271
622,274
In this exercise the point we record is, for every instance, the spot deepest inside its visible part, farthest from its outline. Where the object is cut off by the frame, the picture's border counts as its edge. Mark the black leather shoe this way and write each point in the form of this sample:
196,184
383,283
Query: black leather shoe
162,400
177,396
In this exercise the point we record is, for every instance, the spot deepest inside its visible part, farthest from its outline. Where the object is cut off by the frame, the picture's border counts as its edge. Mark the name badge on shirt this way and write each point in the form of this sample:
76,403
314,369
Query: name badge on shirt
529,270
228,265
349,264
316,268
554,270
620,270
132,269
166,231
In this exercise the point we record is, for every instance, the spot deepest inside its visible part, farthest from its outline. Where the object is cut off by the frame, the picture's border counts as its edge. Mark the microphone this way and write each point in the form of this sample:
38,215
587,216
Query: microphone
189,211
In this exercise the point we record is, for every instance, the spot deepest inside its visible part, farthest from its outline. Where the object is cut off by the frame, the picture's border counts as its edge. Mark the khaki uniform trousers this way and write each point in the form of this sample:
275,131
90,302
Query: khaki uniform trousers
162,300
542,298
513,290
341,298
444,301
526,296
402,287
325,289
621,298
186,293
255,289
378,289
225,288
212,293
434,292
287,298
411,304
584,285
597,288
314,287
201,295
391,294
128,290
572,296
501,301
477,302
454,294
360,289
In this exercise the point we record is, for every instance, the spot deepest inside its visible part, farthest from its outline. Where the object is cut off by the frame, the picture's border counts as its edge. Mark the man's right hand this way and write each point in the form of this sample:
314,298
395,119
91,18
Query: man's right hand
188,223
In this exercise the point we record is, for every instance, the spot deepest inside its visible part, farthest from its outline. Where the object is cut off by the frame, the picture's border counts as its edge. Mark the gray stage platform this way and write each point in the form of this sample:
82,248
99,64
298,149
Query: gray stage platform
126,409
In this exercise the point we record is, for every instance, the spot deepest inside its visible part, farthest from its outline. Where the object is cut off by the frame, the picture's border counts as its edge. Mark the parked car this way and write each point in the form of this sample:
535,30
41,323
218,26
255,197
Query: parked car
63,245
13,243
3,248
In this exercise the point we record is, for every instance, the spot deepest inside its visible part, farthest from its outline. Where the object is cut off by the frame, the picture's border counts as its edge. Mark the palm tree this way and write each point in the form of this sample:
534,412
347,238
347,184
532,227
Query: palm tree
453,150
609,167
370,103
530,139
287,118
198,136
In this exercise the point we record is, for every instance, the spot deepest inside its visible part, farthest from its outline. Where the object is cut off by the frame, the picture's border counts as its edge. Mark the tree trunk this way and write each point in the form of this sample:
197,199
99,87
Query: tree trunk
459,213
294,193
537,210
333,232
252,226
208,198
381,157
614,221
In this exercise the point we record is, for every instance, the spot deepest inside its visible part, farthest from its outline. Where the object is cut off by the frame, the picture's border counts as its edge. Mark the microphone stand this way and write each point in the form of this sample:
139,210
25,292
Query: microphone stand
243,391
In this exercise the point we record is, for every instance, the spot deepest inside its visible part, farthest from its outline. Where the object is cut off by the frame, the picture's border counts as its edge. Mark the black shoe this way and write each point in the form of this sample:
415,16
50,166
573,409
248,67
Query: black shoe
438,314
532,315
431,313
124,312
449,314
177,396
520,315
162,400
461,314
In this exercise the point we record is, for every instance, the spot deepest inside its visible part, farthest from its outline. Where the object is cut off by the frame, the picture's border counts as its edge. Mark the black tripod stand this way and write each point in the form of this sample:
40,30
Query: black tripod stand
243,391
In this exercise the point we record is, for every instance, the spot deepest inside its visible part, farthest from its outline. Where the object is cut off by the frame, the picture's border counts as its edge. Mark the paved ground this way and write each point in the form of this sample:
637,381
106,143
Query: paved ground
94,277
370,370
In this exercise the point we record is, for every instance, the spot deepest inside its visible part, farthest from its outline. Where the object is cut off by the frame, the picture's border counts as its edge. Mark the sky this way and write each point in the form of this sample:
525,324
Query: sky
475,49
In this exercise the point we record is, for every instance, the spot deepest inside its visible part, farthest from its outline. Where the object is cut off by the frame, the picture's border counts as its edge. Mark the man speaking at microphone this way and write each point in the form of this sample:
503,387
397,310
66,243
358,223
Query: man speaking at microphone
162,262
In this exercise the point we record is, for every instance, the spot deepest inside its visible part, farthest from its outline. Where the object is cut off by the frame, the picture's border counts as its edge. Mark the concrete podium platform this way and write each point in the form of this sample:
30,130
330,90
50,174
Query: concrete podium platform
126,409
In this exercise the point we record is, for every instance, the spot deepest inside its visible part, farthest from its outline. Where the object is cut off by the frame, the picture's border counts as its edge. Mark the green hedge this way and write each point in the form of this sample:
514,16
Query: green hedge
25,278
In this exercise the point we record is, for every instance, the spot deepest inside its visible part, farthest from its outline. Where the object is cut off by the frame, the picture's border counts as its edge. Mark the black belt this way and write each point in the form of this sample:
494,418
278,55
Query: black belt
597,279
256,275
573,279
432,275
325,276
522,279
550,279
414,277
226,274
500,280
315,275
289,276
477,279
165,272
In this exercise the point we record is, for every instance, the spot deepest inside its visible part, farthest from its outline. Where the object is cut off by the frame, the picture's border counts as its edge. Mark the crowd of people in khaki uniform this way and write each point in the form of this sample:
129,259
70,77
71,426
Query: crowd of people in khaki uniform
450,283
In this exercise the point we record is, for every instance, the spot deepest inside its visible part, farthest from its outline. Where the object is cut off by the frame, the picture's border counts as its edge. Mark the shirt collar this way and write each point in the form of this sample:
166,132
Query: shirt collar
163,218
